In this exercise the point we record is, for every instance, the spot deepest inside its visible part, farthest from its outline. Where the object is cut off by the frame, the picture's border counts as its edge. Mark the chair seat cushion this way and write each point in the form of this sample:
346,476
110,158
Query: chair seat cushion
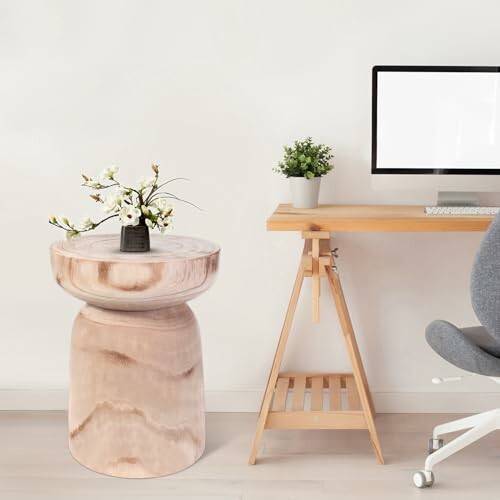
471,349
479,336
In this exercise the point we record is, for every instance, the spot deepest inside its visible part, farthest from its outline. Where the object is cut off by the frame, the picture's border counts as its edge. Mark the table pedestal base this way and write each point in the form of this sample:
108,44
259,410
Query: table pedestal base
136,406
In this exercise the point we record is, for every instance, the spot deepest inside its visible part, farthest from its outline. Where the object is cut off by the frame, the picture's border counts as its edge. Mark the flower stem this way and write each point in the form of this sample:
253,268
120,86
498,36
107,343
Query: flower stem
156,188
171,196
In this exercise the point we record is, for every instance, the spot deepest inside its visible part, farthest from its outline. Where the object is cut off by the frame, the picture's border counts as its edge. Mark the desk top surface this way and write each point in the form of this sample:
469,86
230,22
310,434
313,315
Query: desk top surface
371,218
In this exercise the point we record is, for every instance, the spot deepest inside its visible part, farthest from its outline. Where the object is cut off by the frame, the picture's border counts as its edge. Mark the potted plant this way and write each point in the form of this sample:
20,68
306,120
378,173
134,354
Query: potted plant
139,209
304,164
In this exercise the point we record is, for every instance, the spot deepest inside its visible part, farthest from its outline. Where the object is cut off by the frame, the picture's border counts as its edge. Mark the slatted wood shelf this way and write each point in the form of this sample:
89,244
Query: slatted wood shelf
316,401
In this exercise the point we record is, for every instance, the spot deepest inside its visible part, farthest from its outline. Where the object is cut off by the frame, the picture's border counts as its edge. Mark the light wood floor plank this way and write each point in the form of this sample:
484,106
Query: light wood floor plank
318,465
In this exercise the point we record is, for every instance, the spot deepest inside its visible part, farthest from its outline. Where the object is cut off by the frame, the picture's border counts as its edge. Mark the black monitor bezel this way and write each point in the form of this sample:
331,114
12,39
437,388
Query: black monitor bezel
428,171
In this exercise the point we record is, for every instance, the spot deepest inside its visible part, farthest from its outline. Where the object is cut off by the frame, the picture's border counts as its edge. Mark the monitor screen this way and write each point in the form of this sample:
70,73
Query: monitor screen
442,120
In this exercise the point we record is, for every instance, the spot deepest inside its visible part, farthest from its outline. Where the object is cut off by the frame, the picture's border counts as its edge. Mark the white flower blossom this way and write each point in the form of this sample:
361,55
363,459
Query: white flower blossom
160,203
72,234
163,205
164,223
153,210
92,183
109,173
146,183
165,228
112,203
130,215
149,210
145,203
86,224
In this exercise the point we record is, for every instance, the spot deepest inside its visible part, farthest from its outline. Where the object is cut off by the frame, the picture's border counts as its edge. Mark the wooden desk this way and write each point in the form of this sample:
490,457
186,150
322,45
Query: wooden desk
350,405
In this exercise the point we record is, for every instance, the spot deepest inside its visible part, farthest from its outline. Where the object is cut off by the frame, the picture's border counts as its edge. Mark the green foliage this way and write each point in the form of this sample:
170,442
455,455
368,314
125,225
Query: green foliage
305,159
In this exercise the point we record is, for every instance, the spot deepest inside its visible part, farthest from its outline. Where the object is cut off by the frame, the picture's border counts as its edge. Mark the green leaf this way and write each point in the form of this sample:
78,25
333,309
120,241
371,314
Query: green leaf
305,159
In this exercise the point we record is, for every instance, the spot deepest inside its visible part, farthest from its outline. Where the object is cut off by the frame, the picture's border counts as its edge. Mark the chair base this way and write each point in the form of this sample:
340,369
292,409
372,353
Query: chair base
479,426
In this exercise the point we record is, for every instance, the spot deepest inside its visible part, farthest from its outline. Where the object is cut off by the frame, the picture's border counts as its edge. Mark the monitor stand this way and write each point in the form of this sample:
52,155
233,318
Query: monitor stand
457,199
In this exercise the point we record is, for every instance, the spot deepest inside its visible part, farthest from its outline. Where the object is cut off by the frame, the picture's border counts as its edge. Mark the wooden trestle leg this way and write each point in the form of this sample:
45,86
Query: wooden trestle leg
355,357
350,403
278,358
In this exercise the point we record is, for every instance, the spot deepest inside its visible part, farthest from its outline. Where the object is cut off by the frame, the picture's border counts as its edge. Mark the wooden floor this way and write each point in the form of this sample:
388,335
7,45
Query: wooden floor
35,464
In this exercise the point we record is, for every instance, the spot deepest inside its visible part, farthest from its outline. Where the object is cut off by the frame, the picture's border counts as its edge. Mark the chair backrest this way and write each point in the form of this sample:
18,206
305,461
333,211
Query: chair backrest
485,280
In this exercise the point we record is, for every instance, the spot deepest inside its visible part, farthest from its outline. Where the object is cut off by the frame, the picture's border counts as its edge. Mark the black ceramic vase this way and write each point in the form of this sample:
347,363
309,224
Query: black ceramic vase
135,238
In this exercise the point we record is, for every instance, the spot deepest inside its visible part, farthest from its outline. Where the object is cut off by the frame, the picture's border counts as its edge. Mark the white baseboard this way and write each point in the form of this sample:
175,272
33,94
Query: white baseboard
33,399
436,402
249,401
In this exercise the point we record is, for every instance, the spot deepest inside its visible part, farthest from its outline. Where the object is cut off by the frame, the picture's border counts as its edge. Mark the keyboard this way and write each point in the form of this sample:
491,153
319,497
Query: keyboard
462,210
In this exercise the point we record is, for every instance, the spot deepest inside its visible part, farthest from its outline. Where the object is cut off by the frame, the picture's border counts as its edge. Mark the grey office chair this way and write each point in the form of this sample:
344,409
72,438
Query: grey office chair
475,349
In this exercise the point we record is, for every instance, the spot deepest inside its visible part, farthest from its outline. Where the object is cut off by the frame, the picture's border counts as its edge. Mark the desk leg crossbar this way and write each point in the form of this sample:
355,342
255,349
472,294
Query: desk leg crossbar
334,400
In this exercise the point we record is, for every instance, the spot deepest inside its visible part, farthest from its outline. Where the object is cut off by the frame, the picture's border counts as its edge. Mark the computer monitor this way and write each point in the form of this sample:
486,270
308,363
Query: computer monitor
437,127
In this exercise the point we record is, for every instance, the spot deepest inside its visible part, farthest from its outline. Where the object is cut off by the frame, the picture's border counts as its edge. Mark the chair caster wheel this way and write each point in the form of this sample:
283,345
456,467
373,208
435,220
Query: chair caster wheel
423,479
434,445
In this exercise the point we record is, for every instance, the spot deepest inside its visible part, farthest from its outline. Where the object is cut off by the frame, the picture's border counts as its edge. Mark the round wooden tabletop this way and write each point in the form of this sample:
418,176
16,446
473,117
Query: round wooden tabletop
106,248
92,268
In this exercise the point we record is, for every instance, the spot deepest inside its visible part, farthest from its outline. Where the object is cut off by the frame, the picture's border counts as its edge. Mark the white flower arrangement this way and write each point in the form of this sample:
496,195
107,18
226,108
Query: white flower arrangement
147,204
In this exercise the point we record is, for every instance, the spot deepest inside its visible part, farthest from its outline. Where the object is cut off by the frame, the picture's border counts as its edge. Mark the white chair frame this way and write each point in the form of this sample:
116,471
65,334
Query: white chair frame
479,426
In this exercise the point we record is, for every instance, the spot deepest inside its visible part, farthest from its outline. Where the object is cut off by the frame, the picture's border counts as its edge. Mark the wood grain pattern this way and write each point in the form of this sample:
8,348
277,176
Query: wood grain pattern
335,397
366,218
278,358
316,420
136,404
352,394
281,394
136,391
92,268
359,374
317,394
299,389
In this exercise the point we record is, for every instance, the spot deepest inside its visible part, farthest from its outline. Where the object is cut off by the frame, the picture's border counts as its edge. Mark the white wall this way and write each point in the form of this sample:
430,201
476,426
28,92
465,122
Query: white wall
211,90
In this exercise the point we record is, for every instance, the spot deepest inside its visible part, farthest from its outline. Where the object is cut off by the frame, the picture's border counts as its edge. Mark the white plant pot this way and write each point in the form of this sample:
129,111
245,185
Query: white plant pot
305,192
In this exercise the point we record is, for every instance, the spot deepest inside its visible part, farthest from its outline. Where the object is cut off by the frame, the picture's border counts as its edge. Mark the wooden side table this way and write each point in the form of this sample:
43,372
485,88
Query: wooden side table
136,399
